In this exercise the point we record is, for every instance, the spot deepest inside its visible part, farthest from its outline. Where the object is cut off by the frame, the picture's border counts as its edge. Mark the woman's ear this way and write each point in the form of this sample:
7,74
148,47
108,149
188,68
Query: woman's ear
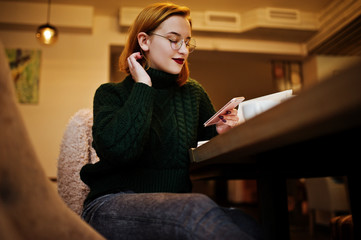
143,40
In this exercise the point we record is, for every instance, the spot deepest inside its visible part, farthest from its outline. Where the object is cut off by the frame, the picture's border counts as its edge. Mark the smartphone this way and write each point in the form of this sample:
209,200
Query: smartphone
230,105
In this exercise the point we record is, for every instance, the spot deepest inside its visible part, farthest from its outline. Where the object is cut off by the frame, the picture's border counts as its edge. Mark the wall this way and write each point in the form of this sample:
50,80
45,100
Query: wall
77,64
71,70
320,67
229,74
330,65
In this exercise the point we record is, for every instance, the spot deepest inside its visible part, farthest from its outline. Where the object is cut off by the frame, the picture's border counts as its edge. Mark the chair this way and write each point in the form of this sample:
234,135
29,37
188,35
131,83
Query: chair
75,151
342,228
325,195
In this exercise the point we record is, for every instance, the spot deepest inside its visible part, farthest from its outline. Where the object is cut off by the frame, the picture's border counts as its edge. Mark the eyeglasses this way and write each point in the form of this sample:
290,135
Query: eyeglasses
176,43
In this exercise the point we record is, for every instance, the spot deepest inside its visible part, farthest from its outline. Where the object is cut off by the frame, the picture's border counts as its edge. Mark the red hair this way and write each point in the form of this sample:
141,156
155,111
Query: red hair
147,21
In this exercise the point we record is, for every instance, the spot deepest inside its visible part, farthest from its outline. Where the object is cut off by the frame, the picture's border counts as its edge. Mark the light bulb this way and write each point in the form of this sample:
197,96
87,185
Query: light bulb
47,34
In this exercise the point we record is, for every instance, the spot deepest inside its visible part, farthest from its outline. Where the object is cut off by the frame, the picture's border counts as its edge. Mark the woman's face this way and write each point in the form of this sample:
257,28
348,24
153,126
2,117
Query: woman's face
160,53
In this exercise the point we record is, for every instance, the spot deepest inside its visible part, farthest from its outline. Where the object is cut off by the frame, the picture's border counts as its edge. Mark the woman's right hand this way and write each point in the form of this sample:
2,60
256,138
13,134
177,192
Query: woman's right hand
136,70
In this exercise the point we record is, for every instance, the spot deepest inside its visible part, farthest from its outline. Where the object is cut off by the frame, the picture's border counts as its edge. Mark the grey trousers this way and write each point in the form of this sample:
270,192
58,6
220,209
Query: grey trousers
167,216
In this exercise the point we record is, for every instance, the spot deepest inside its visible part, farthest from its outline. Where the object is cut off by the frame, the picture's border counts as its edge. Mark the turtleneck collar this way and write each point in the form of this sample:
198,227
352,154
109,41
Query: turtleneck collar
162,79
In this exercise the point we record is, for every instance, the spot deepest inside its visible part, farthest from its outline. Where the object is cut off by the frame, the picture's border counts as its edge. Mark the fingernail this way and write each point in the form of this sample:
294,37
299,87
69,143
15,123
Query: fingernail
222,118
228,112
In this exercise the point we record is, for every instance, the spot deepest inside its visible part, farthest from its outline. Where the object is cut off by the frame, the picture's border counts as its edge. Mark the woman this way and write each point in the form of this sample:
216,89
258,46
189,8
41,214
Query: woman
143,128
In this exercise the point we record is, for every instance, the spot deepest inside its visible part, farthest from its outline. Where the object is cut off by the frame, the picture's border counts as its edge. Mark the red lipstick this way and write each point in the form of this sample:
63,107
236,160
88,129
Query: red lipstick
178,60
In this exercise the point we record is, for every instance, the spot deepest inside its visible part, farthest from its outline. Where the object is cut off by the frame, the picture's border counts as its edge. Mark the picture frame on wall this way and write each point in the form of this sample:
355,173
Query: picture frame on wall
287,75
115,75
25,70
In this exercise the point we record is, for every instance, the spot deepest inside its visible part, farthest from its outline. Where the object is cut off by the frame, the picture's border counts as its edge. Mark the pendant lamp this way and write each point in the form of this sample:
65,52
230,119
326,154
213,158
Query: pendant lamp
46,33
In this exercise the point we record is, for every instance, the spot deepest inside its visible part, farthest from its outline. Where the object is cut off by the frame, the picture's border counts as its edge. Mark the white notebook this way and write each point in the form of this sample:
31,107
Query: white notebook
250,108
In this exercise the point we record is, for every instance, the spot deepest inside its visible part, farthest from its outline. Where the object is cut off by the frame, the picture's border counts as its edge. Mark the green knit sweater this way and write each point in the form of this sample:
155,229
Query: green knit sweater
142,135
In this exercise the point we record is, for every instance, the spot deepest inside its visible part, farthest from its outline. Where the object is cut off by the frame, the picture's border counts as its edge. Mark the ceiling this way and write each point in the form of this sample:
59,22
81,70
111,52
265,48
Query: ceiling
344,42
110,7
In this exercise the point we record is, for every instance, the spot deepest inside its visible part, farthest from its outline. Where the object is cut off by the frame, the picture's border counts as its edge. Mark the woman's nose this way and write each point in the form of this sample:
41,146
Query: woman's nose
183,49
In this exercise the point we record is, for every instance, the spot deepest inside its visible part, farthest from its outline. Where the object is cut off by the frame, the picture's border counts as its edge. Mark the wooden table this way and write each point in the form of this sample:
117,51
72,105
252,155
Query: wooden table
314,134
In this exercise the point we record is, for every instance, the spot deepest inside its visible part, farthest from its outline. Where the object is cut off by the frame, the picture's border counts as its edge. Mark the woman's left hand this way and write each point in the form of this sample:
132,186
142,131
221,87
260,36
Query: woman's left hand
227,121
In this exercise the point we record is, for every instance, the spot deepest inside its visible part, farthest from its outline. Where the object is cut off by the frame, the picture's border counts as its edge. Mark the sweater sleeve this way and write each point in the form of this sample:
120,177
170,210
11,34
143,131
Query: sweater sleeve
206,110
121,121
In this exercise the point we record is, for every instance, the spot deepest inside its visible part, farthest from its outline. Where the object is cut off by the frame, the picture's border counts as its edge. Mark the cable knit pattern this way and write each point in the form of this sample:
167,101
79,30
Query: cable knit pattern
142,134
